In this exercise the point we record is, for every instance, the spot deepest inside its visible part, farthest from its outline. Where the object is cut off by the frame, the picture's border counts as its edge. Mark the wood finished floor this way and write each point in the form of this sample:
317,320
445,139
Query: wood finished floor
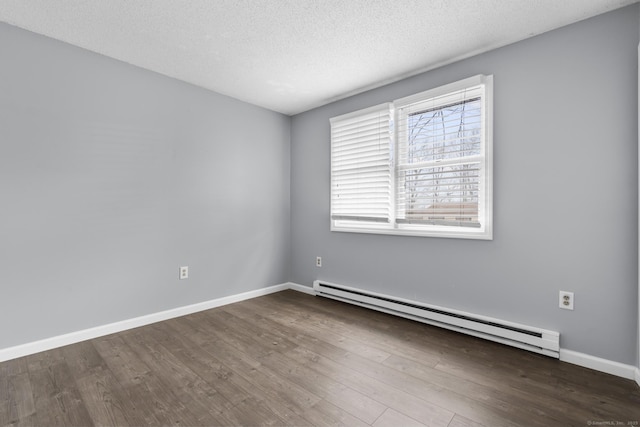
297,360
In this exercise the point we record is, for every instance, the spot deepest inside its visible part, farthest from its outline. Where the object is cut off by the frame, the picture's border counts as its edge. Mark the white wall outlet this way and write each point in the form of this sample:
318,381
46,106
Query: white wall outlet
184,272
566,300
318,261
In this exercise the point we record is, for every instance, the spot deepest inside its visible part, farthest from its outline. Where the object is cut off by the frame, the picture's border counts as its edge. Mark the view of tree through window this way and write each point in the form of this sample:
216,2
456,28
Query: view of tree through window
438,171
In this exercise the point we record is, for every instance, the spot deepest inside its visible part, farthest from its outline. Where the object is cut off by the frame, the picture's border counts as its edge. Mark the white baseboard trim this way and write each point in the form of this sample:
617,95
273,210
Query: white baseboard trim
603,365
99,331
581,359
301,288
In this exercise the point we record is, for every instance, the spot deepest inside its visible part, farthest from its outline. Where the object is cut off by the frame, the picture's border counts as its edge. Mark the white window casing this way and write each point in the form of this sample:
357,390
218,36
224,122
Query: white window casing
419,166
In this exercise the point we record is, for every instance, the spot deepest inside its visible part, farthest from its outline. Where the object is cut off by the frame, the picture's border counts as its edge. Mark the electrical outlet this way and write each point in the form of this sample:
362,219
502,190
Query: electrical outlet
566,300
318,261
184,272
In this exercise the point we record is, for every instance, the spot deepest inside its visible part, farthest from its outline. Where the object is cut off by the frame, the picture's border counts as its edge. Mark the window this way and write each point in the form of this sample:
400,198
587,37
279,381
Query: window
420,165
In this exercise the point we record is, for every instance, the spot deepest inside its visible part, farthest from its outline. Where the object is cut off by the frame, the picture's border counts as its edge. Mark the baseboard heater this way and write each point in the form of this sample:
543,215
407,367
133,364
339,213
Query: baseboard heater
513,334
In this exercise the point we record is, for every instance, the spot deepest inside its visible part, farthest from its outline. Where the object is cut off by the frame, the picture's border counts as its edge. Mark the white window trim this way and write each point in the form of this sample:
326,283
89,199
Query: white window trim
485,231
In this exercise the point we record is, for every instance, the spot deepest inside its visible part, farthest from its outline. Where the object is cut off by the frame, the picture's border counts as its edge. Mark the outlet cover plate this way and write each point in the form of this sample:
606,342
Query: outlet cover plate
565,300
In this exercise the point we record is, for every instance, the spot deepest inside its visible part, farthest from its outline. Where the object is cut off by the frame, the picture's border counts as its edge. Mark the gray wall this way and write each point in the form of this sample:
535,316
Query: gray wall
565,194
111,177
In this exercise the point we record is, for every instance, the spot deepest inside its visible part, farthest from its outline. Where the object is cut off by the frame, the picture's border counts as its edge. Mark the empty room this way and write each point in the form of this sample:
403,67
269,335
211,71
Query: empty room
319,212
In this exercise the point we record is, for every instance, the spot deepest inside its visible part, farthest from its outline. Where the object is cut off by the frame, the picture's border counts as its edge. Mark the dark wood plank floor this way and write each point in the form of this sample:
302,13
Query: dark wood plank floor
298,360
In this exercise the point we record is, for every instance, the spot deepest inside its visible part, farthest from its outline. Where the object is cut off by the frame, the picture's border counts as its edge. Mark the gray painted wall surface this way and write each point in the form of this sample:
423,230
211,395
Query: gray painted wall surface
565,194
111,177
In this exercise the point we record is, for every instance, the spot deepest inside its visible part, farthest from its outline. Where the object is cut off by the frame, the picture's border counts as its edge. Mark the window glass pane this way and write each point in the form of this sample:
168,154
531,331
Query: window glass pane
446,132
442,194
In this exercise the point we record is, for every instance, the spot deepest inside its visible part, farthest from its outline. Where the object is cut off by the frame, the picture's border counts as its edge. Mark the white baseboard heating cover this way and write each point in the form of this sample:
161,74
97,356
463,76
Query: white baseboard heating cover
513,334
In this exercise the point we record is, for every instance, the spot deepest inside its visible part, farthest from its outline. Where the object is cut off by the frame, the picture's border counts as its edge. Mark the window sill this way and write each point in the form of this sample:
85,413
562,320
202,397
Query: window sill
436,231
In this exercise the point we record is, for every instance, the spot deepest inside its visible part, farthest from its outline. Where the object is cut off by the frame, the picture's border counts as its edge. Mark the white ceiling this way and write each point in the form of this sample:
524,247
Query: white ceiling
294,55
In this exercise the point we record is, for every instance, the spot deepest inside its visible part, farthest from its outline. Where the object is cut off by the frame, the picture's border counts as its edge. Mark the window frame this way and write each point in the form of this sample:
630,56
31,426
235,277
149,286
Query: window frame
485,196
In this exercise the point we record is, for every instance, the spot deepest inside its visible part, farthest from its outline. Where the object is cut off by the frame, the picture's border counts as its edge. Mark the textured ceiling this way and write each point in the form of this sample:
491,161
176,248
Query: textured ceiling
294,55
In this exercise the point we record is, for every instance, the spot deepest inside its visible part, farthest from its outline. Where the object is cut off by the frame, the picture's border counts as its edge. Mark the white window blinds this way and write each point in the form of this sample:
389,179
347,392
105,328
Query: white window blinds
361,165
